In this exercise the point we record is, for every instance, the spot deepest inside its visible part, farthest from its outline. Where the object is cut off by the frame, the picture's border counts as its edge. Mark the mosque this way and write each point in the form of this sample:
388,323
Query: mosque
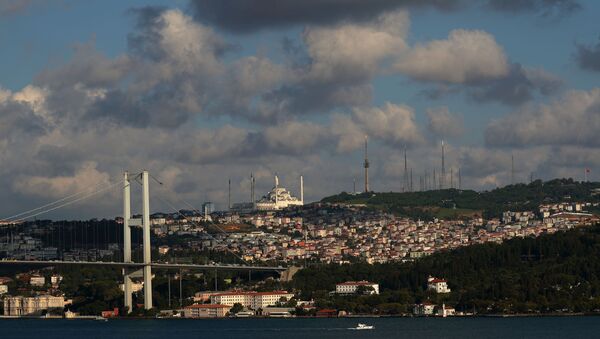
279,198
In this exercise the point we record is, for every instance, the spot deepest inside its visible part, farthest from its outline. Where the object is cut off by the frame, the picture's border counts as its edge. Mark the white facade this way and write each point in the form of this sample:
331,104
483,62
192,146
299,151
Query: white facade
350,287
252,300
438,285
206,311
279,198
425,308
18,306
37,281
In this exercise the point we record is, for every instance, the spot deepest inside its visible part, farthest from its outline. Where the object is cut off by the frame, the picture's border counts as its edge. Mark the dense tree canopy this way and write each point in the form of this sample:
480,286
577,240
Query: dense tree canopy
551,273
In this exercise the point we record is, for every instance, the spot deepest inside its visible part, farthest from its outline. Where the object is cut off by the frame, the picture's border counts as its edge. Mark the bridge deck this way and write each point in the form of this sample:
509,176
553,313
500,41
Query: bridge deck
140,265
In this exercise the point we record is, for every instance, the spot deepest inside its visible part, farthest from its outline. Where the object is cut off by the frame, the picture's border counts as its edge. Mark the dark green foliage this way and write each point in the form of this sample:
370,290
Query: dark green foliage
551,273
519,197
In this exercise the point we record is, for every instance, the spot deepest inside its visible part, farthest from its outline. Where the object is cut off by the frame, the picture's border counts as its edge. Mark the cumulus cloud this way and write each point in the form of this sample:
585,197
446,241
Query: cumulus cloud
391,123
85,179
574,119
342,61
465,57
588,57
444,124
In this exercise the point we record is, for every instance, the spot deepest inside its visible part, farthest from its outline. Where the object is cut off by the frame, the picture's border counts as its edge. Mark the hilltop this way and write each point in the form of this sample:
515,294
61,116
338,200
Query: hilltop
454,203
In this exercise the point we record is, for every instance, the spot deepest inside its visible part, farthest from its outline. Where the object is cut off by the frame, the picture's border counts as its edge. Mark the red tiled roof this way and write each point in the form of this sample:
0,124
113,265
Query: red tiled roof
250,293
207,306
436,280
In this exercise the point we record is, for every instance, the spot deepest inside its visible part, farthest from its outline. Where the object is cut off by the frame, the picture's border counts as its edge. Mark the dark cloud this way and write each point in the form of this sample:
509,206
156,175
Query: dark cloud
517,87
546,8
588,57
243,16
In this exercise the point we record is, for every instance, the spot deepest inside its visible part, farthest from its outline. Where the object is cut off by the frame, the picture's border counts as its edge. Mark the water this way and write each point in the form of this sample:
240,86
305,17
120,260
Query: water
470,328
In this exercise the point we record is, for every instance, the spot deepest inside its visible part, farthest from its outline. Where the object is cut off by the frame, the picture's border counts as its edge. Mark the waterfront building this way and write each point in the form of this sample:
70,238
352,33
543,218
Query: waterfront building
250,299
351,287
20,306
424,308
206,311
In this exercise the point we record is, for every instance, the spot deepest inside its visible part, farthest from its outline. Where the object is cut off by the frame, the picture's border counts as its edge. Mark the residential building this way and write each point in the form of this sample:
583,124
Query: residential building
37,281
437,285
250,299
206,311
19,306
351,287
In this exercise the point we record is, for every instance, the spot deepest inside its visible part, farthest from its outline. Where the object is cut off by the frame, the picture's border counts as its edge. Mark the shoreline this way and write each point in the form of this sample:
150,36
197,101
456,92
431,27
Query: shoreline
362,316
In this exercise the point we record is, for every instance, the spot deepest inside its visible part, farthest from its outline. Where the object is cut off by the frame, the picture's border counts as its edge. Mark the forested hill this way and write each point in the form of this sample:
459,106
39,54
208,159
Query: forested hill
551,273
517,197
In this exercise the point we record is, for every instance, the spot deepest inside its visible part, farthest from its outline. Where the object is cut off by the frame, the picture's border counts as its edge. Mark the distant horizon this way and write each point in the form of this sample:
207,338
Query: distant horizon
198,209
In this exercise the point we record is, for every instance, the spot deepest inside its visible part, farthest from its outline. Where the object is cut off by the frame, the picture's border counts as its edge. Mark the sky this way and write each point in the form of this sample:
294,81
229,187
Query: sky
202,91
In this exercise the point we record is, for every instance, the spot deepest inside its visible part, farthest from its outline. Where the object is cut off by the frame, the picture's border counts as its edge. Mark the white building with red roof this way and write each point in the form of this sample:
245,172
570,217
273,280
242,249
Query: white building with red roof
438,285
351,287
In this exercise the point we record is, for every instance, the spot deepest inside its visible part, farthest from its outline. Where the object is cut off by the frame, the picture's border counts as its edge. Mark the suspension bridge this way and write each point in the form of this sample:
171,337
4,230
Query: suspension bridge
130,268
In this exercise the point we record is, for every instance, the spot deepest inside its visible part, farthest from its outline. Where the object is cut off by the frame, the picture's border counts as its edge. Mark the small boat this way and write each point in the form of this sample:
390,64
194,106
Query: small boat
361,326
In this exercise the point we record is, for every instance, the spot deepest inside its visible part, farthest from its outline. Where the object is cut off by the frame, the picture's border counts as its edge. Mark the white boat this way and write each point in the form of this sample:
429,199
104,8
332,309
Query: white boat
361,326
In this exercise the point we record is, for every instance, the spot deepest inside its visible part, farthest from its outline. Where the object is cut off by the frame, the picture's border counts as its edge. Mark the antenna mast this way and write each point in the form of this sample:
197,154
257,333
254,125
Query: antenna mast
366,164
443,175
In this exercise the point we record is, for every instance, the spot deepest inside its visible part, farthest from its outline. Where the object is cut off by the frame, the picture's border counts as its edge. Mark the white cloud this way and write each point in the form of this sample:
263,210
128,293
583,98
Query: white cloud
442,123
87,178
391,123
466,56
352,50
574,119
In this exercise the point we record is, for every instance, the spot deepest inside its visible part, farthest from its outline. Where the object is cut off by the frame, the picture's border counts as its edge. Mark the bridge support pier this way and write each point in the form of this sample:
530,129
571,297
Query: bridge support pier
144,222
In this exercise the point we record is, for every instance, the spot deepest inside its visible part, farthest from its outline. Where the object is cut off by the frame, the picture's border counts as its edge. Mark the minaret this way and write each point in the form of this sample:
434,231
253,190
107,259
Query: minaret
252,182
459,180
366,167
443,174
229,195
276,189
302,189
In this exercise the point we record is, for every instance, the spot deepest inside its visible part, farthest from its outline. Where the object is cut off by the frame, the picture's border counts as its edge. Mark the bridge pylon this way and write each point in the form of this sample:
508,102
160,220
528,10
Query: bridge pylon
128,223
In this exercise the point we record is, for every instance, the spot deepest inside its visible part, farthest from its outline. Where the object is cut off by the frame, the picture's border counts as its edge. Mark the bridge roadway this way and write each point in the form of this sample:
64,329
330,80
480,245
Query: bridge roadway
141,265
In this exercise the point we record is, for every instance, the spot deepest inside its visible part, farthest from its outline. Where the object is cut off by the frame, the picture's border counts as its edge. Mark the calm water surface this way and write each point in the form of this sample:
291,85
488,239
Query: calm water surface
470,328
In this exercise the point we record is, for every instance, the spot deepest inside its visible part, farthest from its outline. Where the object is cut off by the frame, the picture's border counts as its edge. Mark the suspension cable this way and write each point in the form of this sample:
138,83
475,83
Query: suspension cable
51,203
88,195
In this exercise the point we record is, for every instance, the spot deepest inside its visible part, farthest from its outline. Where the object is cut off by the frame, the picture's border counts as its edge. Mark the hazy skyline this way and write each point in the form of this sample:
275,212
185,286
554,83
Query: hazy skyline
198,92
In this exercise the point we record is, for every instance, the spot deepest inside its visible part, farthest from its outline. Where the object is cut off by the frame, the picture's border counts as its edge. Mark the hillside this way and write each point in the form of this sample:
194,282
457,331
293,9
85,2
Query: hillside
551,273
449,203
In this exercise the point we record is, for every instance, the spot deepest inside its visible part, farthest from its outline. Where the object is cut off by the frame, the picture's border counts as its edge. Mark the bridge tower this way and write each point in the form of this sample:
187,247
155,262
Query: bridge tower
144,222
